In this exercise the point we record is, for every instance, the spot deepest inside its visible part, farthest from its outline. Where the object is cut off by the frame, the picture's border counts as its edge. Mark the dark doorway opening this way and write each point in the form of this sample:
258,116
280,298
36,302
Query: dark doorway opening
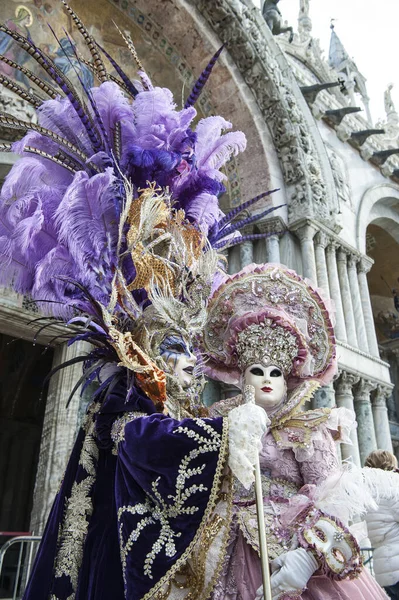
23,369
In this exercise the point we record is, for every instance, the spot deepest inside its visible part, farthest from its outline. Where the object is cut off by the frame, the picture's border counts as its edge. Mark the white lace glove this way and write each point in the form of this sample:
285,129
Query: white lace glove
291,573
247,425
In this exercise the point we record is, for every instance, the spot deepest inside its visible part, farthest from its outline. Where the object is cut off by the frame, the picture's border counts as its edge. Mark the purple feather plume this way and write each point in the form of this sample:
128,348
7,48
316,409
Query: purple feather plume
202,79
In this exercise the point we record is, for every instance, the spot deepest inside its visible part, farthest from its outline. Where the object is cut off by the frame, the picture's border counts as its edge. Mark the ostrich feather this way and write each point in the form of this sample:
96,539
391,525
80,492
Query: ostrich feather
85,220
213,148
112,105
14,267
60,116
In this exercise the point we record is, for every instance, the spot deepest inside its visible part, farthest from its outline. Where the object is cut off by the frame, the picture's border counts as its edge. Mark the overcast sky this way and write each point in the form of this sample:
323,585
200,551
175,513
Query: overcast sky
370,38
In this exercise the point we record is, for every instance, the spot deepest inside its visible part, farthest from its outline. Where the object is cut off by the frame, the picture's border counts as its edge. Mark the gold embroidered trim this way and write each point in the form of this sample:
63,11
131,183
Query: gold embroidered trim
304,392
157,593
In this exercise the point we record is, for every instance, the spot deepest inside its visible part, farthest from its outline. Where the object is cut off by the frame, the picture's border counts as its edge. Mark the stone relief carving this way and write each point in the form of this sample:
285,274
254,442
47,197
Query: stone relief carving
340,176
14,105
245,35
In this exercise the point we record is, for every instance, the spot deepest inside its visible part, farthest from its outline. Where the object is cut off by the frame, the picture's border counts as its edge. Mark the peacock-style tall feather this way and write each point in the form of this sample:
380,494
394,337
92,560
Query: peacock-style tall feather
114,201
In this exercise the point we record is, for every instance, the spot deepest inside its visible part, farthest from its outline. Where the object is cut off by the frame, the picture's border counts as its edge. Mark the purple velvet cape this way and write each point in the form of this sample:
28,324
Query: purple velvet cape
161,505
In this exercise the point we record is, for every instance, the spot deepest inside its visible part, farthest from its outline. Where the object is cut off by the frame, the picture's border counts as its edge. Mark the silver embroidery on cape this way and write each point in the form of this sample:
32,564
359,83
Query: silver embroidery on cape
79,508
156,510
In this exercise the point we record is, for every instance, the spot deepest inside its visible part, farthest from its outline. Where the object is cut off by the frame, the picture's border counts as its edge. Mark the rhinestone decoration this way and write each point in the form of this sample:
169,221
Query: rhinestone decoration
267,344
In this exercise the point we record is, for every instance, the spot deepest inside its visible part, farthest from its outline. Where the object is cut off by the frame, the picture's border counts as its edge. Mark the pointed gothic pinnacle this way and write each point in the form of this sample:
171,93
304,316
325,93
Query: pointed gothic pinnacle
359,137
310,91
335,116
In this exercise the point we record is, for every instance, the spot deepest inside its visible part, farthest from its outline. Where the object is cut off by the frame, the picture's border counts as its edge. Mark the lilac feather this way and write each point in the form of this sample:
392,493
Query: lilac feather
112,105
202,79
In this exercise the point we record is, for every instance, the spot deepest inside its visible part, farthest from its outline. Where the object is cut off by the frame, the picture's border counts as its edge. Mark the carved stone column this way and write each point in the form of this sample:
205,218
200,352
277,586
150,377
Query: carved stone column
275,227
364,416
273,249
58,436
380,415
344,398
306,234
363,267
246,254
324,397
335,291
346,298
357,304
321,241
234,260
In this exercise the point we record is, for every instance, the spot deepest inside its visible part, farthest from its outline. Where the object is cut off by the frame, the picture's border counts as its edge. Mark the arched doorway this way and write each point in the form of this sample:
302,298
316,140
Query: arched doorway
382,239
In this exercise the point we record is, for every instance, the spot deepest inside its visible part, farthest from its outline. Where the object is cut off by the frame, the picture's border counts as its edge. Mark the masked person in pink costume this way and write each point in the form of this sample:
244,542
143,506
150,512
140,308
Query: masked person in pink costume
268,328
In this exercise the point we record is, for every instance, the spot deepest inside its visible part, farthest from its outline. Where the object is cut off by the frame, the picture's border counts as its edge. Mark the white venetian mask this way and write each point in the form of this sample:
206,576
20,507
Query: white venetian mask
179,359
269,383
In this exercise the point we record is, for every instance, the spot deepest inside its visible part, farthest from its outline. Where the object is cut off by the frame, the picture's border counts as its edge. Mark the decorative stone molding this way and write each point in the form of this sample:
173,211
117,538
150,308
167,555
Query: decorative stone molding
381,395
275,225
346,381
322,239
17,107
264,69
363,389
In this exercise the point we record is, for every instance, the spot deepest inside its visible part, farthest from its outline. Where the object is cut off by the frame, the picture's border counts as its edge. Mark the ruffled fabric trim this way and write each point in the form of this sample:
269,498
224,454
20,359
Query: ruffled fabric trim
247,425
301,431
342,421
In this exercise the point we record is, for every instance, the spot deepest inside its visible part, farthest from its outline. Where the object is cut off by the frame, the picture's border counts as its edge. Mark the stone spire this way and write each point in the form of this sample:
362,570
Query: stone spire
354,81
337,56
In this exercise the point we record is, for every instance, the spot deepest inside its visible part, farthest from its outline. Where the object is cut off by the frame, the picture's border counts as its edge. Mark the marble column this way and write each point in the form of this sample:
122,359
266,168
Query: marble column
306,234
363,267
342,266
357,304
335,291
246,254
344,398
234,260
324,397
364,417
380,415
58,435
321,241
273,249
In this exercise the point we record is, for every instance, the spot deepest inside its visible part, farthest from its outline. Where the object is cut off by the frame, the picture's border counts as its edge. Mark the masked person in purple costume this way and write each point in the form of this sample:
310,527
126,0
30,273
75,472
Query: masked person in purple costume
110,221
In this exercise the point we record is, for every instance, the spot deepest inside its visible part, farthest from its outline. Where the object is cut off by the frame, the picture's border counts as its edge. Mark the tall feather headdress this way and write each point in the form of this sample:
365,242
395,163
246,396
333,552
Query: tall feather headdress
113,204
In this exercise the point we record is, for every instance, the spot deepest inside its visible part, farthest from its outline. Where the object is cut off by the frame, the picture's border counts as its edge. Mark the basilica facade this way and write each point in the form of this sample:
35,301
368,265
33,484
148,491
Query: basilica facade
310,137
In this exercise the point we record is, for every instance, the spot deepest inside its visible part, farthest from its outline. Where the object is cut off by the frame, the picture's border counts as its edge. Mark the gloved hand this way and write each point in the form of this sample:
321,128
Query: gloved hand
291,573
247,425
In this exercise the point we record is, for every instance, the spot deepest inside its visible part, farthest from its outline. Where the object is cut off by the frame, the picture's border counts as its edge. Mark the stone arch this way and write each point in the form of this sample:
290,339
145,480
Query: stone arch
380,205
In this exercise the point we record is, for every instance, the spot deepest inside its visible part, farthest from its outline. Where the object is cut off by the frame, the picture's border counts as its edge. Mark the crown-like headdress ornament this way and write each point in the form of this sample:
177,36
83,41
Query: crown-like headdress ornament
267,343
268,314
